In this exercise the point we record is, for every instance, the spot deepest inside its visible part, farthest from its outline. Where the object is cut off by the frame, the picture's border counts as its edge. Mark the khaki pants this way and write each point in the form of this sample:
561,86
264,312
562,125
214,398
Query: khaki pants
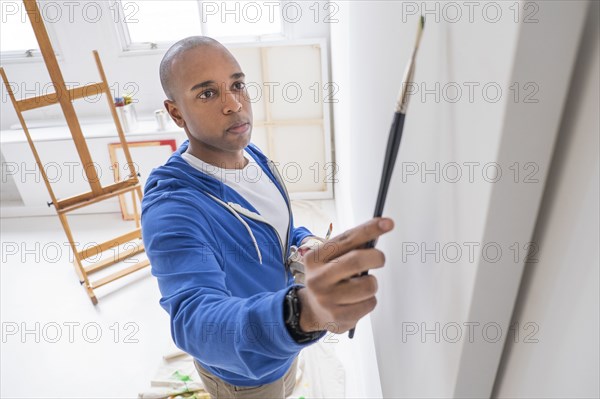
219,389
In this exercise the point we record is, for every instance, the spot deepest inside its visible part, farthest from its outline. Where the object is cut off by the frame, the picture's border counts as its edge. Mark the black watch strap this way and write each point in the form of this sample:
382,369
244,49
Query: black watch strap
291,315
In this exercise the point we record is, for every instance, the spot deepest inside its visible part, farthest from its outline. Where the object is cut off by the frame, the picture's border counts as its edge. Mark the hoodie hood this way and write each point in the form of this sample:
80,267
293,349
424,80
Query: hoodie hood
176,173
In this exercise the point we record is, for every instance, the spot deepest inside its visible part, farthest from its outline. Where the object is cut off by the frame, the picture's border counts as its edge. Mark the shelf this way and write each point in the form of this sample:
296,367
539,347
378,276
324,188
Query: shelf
92,129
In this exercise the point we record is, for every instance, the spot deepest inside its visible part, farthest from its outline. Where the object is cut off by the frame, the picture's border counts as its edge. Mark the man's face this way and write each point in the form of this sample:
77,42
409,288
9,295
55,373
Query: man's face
210,99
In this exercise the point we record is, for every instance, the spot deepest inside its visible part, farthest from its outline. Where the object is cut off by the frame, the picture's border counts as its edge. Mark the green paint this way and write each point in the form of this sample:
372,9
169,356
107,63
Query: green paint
181,377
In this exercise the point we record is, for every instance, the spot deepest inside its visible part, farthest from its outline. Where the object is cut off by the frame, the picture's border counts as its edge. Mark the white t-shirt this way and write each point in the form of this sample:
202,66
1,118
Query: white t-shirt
254,185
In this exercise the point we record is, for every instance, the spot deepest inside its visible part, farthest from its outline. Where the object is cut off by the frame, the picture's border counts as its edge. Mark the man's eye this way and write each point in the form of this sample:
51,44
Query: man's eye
206,94
239,85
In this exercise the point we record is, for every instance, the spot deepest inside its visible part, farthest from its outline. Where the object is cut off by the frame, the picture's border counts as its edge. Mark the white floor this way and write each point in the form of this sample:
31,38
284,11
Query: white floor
56,344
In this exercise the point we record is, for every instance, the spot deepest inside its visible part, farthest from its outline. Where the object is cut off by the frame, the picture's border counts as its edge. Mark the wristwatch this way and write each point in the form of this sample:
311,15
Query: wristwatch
291,316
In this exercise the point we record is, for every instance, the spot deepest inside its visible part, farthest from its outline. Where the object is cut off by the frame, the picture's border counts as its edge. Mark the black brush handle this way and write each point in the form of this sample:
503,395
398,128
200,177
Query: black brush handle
391,153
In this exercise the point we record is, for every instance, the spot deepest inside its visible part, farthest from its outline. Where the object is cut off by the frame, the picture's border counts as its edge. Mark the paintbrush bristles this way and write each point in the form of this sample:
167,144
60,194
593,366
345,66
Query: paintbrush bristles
420,29
402,103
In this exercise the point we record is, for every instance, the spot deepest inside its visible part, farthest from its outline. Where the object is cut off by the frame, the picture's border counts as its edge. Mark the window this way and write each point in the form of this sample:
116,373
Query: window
17,40
153,24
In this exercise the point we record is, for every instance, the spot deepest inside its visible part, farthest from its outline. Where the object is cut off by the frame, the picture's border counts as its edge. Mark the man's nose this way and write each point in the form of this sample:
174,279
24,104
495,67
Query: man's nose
231,103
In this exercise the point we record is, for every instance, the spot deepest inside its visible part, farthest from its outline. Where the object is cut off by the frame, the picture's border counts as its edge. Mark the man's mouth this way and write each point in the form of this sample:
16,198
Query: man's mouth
239,127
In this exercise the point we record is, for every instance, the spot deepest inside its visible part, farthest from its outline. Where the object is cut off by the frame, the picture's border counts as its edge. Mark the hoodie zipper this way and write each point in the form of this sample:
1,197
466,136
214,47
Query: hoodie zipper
287,203
284,250
236,209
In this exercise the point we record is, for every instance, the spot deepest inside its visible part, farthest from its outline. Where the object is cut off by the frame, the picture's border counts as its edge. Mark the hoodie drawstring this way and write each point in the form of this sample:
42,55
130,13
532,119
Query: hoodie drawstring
238,217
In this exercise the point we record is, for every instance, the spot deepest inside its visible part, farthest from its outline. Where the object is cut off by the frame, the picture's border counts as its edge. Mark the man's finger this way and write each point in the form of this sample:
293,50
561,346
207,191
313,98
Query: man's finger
357,311
356,290
355,238
354,263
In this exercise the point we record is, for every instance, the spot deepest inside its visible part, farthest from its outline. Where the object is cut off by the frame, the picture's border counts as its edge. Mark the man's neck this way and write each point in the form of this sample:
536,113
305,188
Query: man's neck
220,159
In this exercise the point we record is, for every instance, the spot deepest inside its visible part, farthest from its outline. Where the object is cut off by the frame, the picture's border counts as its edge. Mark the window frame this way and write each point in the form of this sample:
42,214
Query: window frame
20,56
128,47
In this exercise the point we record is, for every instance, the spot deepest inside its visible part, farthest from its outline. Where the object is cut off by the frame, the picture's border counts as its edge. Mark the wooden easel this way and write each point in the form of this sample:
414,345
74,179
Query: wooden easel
97,193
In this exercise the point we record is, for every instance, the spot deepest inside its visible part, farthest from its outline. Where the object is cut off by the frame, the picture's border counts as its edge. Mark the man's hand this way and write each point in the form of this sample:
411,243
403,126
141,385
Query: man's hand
336,296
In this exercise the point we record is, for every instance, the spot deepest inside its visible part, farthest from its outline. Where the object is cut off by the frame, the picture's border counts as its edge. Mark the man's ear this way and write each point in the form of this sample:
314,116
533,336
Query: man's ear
173,111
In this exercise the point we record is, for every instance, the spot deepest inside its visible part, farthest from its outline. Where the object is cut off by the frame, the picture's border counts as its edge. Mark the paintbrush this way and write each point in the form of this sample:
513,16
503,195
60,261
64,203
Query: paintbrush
329,230
393,144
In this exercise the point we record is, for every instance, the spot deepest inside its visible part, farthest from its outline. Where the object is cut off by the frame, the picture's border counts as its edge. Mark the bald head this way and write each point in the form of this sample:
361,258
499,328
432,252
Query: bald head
176,51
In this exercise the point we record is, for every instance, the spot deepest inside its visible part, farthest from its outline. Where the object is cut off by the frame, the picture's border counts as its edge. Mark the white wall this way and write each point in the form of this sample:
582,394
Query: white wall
425,211
368,56
560,293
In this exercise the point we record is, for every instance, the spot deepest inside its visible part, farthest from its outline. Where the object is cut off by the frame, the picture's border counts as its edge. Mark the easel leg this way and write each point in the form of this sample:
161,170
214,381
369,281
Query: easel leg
79,269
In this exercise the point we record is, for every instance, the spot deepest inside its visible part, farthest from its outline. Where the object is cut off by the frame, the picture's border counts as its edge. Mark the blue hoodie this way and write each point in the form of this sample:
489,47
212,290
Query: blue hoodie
221,271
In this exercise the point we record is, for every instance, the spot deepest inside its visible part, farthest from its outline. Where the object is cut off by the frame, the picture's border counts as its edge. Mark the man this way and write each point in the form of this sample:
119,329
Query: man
217,227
